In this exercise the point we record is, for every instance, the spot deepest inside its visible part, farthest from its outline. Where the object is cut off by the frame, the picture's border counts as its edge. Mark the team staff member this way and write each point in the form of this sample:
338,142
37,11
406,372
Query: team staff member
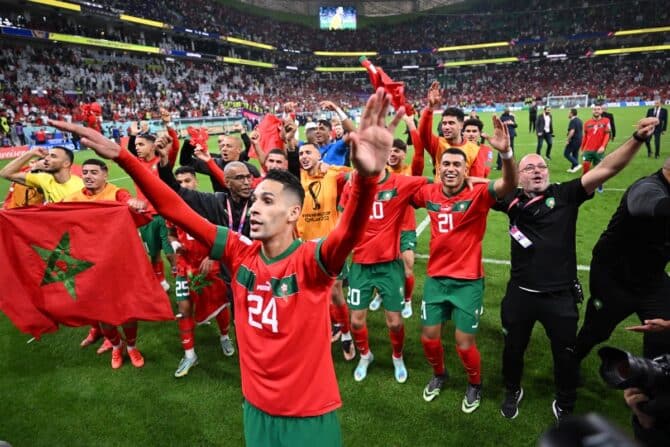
288,380
574,141
628,266
56,182
543,280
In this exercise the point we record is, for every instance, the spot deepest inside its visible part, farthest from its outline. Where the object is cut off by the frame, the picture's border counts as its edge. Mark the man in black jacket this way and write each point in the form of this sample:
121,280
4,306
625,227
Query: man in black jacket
661,114
544,126
610,117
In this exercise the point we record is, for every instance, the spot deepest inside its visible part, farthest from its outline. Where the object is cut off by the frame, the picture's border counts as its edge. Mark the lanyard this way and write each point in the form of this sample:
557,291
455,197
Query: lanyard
527,204
243,217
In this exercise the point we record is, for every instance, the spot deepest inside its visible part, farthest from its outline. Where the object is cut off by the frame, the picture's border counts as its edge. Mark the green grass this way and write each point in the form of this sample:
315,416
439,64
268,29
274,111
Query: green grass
54,393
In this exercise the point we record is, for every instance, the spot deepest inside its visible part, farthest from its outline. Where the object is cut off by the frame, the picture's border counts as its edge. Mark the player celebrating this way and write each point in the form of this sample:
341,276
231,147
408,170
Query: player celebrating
282,285
596,136
454,287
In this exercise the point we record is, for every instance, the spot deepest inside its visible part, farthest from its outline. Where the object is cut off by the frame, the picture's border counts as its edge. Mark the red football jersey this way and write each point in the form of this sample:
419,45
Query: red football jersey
457,227
282,325
409,219
596,134
381,242
152,166
194,251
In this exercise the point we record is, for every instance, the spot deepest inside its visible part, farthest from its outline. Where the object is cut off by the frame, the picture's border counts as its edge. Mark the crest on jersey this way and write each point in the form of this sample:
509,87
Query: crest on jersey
550,202
385,196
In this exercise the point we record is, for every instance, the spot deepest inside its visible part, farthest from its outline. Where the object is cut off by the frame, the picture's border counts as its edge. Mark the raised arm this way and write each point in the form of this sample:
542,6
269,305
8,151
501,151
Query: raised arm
500,142
166,201
370,149
347,123
12,171
617,160
417,143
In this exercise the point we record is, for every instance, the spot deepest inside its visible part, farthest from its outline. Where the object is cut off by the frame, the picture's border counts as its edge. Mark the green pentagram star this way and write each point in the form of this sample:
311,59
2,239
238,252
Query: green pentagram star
61,266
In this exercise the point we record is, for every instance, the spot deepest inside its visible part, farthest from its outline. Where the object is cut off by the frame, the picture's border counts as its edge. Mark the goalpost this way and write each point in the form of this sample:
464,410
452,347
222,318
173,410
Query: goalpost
570,101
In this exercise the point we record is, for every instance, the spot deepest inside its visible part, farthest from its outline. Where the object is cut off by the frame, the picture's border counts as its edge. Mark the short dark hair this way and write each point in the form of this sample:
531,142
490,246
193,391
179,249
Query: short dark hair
185,170
474,122
277,151
147,136
454,111
573,112
68,152
289,181
400,144
326,123
454,151
94,161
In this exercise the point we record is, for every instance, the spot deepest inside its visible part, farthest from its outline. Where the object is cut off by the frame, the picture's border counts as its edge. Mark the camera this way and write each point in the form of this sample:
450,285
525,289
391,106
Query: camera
621,370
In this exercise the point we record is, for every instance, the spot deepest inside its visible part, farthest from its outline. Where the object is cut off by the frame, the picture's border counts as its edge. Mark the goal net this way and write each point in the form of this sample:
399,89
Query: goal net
567,102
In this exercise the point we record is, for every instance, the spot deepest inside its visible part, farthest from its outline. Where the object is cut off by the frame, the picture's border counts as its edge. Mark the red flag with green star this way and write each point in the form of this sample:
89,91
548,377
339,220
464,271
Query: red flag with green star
75,264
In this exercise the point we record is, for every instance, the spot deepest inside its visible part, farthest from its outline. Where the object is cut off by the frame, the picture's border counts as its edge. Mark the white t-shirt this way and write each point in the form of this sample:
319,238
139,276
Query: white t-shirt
547,123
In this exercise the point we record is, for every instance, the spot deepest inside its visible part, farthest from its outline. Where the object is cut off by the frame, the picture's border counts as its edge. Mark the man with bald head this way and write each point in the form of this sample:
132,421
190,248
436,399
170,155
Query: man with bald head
543,285
230,149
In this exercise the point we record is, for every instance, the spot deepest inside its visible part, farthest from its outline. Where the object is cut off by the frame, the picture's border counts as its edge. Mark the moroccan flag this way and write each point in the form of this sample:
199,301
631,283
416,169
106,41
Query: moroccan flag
268,129
379,78
75,264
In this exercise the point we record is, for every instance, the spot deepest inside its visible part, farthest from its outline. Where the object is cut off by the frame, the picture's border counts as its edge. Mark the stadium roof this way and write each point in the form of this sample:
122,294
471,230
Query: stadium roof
367,8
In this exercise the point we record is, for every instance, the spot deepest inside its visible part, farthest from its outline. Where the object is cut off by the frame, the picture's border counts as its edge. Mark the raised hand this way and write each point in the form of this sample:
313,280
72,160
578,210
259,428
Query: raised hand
201,154
645,127
328,105
102,146
500,138
372,142
434,95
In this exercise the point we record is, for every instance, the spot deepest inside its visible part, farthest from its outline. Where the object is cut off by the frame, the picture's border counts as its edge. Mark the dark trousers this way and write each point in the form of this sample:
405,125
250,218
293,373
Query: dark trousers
612,301
657,144
571,153
531,123
557,312
499,160
544,137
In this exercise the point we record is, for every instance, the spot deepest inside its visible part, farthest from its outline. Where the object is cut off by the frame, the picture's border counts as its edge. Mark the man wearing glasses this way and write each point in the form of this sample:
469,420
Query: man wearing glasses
543,285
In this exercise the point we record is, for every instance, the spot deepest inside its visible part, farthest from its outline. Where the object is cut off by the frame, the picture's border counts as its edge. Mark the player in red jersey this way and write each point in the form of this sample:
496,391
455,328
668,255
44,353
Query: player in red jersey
198,285
472,132
454,287
377,265
281,285
594,142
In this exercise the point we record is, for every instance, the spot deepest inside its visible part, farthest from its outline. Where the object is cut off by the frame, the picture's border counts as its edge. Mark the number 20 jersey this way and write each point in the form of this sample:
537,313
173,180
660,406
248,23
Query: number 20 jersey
457,227
282,325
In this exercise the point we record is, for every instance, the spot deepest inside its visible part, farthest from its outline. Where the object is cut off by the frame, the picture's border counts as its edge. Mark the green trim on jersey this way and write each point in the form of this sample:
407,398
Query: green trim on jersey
219,245
291,248
492,190
387,174
461,207
246,278
435,207
317,255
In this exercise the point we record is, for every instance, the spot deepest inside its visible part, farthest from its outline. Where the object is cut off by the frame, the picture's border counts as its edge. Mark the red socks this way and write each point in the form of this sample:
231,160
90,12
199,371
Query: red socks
397,341
361,339
130,330
159,269
112,334
585,167
186,325
341,315
472,362
409,287
434,352
223,320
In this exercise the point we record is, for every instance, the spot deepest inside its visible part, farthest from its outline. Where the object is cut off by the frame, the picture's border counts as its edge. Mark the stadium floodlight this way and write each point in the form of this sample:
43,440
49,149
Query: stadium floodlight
631,50
410,67
291,67
338,69
249,43
80,40
142,21
567,102
474,46
345,53
497,60
629,32
236,60
58,4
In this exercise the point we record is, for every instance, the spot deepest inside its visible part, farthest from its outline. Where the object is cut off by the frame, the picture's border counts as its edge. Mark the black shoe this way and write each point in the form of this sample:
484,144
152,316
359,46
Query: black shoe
335,332
559,413
472,398
510,406
434,387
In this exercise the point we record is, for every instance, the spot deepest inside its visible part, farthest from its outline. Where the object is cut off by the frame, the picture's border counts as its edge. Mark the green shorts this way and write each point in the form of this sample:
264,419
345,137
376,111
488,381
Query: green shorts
264,430
407,240
181,290
155,236
388,278
344,274
452,299
593,156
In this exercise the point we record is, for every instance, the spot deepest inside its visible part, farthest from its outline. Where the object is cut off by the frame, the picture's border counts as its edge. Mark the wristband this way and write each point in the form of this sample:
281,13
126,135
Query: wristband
638,138
175,245
507,155
343,116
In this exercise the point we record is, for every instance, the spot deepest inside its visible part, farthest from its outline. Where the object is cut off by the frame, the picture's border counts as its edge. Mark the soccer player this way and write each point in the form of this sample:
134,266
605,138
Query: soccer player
451,126
96,188
318,218
455,284
198,285
333,152
472,132
282,285
20,195
594,142
56,182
